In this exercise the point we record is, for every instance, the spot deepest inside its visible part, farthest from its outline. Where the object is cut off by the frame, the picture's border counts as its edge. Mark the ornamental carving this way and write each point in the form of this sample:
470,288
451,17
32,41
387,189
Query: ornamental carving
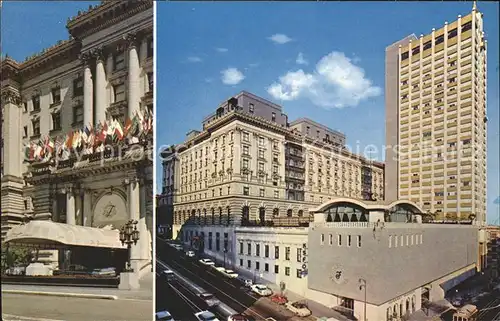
245,171
276,176
229,171
98,53
10,97
221,173
85,57
261,173
131,39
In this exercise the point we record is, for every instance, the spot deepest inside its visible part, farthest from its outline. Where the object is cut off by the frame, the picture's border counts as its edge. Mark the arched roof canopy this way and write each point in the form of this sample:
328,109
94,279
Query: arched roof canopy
367,205
48,234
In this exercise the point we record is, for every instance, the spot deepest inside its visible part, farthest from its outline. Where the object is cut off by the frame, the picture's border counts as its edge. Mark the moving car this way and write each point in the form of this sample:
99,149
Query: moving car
299,308
209,299
168,275
164,316
207,262
205,316
219,269
245,281
230,274
190,254
261,290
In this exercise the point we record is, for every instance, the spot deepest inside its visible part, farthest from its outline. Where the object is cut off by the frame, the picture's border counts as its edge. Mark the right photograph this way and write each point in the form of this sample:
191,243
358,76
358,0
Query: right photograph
328,161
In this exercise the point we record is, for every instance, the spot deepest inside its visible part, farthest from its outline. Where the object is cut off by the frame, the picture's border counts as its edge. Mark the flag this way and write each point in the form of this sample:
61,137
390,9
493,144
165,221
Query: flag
27,152
69,140
76,139
127,127
103,133
118,131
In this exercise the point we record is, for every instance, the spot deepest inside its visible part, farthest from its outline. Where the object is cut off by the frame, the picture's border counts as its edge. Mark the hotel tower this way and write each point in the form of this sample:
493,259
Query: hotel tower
436,116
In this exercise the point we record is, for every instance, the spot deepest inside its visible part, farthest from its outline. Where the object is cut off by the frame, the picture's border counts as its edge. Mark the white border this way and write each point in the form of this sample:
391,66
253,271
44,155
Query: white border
155,159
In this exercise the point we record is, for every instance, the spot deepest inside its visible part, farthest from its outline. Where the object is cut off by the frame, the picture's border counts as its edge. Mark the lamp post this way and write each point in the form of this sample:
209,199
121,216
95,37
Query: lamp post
129,235
362,286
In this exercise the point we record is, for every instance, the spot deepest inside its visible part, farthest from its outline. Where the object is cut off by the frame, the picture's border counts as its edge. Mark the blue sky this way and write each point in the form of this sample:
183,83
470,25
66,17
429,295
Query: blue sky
208,52
191,56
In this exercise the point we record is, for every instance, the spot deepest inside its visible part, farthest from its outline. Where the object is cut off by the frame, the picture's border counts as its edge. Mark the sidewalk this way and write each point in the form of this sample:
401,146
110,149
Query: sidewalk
144,293
317,309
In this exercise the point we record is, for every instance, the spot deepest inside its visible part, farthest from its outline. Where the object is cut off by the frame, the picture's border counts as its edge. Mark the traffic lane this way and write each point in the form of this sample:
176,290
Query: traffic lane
168,299
488,309
76,309
231,295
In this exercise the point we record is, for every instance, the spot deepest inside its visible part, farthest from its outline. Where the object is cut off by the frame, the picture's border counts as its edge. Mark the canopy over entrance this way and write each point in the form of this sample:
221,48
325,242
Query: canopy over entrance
48,234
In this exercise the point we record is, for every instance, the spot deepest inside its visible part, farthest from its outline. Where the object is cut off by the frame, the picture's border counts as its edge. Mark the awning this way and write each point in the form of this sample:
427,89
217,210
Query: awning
48,234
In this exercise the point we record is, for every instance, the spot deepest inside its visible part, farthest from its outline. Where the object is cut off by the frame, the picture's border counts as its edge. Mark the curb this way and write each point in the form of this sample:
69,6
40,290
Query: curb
64,294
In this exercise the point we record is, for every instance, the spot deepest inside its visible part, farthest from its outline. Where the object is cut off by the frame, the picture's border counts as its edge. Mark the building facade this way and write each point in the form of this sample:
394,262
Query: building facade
58,103
436,120
249,166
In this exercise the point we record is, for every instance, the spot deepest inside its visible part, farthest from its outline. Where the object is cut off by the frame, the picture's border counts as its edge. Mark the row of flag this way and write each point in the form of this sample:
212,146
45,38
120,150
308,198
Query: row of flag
89,140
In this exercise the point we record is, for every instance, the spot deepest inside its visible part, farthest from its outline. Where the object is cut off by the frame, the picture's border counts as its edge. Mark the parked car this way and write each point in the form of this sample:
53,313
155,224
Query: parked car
261,290
245,281
230,274
164,316
205,316
190,254
279,299
219,269
209,299
299,308
207,262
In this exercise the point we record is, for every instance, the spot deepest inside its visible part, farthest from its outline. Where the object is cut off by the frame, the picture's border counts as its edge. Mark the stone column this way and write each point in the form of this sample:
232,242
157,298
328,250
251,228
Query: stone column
88,91
87,207
70,206
133,76
78,207
100,87
133,211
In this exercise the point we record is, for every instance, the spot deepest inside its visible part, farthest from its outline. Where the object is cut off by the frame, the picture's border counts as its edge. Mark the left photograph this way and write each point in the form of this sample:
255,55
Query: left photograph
77,160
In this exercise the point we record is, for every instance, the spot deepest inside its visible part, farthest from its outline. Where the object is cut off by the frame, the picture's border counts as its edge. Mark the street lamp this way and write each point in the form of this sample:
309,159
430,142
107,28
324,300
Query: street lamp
362,286
129,235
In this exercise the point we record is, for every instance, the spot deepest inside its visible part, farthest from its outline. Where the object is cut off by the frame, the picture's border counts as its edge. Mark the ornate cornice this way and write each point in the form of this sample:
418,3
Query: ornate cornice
99,17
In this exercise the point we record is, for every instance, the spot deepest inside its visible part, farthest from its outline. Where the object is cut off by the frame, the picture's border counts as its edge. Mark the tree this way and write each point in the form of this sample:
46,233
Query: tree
15,256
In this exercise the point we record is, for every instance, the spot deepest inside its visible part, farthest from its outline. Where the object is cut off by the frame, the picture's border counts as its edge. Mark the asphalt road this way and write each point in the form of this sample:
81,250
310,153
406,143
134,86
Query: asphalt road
74,309
489,308
226,290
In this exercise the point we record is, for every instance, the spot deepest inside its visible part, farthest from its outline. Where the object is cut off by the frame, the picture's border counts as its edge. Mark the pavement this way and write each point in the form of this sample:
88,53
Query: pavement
68,303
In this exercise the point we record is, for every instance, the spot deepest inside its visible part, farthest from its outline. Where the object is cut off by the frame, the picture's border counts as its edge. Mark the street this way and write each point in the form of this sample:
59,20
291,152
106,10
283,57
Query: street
40,307
227,291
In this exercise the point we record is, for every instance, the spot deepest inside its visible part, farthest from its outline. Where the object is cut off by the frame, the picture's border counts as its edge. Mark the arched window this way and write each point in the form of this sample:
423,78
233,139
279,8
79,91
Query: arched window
245,214
213,216
400,309
276,212
413,299
345,218
262,215
228,219
289,212
329,216
354,217
193,216
198,221
205,216
389,314
220,216
300,213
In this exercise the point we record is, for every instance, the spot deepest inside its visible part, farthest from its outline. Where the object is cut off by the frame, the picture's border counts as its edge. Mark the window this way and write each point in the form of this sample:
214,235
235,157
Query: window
262,192
299,254
249,249
348,240
261,166
439,40
428,45
241,262
299,273
251,108
276,194
56,121
276,252
150,48
25,107
246,191
287,271
257,250
56,95
276,269
467,26
273,117
25,131
287,253
261,141
246,137
241,248
36,127
339,240
322,240
245,151
359,240
119,91
119,61
261,154
452,33
249,264
330,239
307,130
257,265
217,241
404,56
266,267
36,102
266,250
390,241
275,169
78,87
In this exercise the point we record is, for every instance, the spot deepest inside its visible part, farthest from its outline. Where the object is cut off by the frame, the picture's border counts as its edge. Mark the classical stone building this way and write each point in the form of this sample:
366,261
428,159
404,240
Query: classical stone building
102,76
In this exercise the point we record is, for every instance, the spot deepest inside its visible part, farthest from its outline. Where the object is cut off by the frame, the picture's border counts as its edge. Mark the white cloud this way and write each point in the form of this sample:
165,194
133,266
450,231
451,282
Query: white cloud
232,76
280,38
301,60
222,49
335,83
194,59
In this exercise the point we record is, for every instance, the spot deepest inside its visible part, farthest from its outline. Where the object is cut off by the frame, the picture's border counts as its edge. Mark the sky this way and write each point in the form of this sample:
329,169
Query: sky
324,61
311,58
